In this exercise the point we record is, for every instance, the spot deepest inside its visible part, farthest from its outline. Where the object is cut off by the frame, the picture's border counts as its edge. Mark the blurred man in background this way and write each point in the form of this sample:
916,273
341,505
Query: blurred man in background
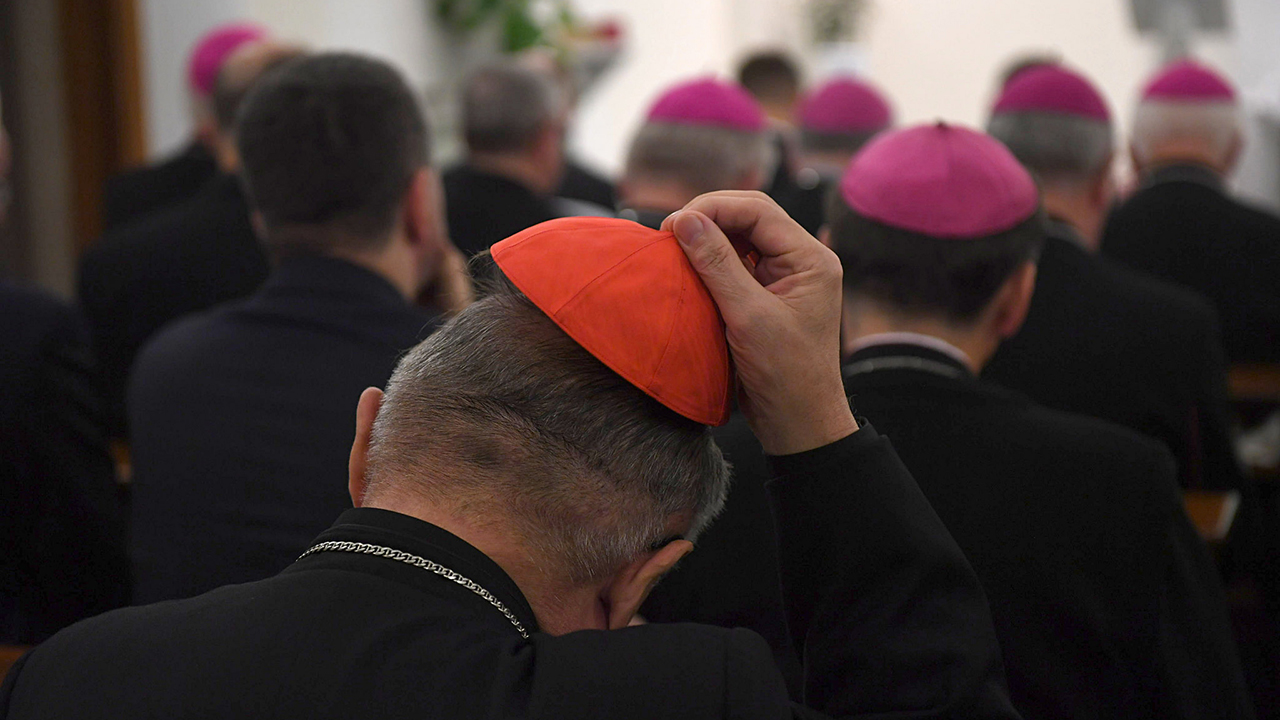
773,79
240,415
186,258
513,121
835,121
62,547
1099,339
1183,225
698,137
131,195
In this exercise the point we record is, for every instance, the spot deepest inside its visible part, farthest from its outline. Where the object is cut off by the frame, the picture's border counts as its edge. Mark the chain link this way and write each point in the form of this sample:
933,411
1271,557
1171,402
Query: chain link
418,562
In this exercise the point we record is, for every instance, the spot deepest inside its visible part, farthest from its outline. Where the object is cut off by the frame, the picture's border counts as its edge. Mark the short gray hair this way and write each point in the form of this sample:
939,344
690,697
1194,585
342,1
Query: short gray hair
1216,124
1056,148
703,159
505,106
499,412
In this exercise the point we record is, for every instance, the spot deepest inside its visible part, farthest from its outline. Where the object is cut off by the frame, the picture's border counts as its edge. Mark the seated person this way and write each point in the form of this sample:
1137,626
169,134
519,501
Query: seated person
532,470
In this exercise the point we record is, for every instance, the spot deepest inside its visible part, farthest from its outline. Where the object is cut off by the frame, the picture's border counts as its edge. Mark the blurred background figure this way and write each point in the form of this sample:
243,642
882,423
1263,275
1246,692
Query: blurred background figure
1183,225
514,124
773,79
184,258
835,121
242,415
697,137
61,523
131,195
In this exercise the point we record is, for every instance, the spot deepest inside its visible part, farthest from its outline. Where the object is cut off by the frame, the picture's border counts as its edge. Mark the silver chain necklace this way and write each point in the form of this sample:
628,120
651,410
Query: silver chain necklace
418,562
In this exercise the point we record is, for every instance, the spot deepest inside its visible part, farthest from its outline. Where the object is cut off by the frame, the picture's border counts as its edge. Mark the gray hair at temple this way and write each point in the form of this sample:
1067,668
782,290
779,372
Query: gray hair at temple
1057,149
500,415
1215,126
700,158
506,105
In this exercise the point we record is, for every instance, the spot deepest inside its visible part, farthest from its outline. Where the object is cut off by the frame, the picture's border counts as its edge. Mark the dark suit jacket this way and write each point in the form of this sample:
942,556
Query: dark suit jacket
580,183
893,622
805,200
187,258
1103,341
485,208
1105,602
243,419
61,526
135,193
1183,227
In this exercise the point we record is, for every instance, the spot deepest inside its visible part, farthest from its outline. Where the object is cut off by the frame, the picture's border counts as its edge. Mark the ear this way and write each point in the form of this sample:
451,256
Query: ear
824,236
1102,189
421,208
366,412
1136,161
751,180
624,595
1233,154
1014,300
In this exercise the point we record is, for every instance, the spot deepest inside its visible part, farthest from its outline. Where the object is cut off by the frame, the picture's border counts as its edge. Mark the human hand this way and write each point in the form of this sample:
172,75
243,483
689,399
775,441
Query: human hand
781,306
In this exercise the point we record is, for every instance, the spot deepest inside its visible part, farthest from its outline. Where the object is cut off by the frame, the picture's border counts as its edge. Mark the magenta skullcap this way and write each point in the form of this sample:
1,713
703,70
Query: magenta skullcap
709,102
845,105
212,50
1052,89
1188,81
940,180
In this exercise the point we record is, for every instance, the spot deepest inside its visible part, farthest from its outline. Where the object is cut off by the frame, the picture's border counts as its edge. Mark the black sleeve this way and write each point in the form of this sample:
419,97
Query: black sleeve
887,613
77,554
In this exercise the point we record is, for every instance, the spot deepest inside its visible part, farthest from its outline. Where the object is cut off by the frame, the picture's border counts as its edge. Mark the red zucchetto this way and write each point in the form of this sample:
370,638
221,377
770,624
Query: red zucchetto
1187,81
940,180
845,105
212,50
628,296
1052,89
709,102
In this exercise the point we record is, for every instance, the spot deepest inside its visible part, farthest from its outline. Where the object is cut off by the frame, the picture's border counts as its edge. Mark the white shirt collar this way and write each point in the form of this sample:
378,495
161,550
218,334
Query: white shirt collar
910,338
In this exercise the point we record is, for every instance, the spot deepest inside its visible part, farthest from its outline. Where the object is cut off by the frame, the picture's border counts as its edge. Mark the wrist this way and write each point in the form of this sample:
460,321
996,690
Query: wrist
808,427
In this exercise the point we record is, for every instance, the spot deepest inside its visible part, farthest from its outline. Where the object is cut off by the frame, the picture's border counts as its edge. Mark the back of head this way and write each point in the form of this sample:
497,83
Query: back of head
506,106
771,77
932,220
702,135
1187,112
1057,125
238,74
841,115
329,145
500,417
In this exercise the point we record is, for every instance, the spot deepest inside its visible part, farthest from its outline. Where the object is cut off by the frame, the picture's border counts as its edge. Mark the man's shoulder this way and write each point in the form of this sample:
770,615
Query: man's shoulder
31,318
190,337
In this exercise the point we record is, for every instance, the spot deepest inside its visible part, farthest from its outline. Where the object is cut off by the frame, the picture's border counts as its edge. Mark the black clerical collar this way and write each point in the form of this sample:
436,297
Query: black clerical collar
417,537
904,353
1188,172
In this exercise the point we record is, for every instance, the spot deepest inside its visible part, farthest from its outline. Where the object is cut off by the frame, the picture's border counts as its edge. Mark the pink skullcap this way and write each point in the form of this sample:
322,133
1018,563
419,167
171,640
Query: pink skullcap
1188,81
212,50
709,102
1052,89
845,105
940,180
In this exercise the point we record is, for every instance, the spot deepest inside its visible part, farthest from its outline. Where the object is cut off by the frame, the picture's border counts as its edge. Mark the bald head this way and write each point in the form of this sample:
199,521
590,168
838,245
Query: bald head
241,70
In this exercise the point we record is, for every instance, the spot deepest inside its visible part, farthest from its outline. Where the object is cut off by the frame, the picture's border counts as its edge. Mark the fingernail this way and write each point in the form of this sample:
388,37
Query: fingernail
688,228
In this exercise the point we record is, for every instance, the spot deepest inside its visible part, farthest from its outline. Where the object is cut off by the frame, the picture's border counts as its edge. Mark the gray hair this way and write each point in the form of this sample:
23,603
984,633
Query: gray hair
1216,124
505,106
1056,148
703,159
499,414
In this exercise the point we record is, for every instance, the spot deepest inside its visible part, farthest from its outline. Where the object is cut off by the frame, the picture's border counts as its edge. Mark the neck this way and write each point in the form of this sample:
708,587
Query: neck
1078,211
560,607
647,195
520,169
1184,153
395,262
863,318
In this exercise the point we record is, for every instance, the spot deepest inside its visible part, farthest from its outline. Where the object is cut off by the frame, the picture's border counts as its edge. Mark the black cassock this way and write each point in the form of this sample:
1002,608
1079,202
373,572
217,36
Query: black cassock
892,620
1183,227
1104,341
189,257
62,554
484,208
1105,602
243,418
135,193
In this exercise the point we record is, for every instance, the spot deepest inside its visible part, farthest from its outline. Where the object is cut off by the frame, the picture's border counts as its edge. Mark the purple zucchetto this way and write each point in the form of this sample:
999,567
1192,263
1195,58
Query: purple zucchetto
709,102
940,180
845,105
1052,89
212,50
1187,81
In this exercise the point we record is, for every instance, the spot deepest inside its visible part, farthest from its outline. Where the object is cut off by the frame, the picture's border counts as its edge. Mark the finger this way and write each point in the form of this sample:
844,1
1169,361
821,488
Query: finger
756,219
731,285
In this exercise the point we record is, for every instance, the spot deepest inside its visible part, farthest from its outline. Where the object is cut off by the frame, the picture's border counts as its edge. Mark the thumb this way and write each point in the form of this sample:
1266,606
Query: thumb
715,260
